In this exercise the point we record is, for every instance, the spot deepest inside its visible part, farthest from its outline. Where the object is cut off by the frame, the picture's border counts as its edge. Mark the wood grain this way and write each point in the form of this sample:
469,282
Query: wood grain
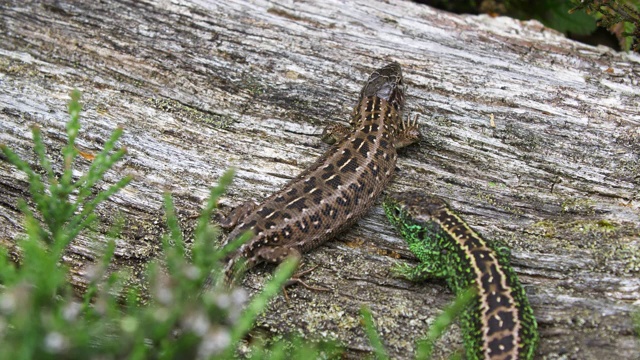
533,138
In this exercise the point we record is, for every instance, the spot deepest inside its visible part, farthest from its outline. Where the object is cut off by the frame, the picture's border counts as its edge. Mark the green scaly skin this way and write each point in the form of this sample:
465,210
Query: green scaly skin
499,323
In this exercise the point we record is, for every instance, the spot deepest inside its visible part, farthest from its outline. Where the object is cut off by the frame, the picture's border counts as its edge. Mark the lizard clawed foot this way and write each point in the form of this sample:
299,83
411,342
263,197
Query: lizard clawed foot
297,279
408,133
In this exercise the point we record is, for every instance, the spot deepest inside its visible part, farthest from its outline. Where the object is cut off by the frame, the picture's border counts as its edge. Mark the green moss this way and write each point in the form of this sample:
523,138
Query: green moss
488,198
612,245
596,226
22,69
547,226
629,255
187,112
636,321
584,206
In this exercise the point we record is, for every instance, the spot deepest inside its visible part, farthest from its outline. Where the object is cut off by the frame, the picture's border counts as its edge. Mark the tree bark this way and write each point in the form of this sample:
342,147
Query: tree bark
532,138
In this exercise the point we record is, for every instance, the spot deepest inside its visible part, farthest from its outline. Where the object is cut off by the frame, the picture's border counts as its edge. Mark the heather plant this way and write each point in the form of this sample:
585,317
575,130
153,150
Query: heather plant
42,317
424,344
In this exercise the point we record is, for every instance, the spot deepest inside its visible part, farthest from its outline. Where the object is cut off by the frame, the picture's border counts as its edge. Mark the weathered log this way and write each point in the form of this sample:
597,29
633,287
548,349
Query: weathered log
533,138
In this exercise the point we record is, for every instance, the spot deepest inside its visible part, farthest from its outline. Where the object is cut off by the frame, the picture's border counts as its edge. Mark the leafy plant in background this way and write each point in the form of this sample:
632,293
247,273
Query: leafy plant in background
553,13
621,17
578,17
636,320
41,318
581,17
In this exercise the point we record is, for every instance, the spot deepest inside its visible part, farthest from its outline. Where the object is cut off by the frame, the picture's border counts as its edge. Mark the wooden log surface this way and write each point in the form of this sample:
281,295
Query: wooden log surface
531,137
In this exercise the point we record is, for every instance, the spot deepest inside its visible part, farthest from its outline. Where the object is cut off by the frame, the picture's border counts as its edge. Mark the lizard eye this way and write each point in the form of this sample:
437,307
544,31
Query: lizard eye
396,212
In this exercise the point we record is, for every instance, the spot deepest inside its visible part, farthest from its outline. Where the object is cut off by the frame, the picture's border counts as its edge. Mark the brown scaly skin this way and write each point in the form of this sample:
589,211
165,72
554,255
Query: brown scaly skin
338,188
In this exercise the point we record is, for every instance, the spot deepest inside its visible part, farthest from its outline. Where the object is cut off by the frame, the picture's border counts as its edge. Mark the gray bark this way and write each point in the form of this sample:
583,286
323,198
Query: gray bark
533,138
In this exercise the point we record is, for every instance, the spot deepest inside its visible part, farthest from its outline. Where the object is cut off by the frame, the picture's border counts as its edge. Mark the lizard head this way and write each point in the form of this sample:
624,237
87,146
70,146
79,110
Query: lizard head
386,83
412,213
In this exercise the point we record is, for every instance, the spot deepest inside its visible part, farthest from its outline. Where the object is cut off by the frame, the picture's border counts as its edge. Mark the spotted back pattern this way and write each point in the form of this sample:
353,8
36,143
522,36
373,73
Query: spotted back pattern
339,187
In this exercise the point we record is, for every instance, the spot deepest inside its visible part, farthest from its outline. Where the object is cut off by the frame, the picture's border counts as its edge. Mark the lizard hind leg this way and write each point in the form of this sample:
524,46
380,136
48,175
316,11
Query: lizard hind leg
502,249
429,270
237,215
278,254
333,133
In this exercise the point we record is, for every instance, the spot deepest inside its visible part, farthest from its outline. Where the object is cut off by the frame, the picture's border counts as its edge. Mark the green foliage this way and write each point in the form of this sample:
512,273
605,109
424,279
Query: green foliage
559,17
636,321
578,17
443,321
424,346
65,218
621,17
553,13
631,33
39,315
372,334
41,318
581,17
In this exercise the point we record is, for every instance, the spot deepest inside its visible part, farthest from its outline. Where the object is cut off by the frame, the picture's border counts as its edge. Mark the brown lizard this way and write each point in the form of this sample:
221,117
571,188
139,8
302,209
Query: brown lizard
337,189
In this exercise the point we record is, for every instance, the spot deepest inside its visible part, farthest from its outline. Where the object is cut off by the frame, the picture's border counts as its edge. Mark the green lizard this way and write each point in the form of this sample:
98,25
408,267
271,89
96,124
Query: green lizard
499,323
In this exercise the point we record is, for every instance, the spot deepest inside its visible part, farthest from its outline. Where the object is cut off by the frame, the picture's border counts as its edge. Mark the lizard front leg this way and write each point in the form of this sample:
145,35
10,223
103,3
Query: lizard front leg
408,133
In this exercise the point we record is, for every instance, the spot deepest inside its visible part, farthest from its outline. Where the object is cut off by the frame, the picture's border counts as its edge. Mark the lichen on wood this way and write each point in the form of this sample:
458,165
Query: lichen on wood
532,137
